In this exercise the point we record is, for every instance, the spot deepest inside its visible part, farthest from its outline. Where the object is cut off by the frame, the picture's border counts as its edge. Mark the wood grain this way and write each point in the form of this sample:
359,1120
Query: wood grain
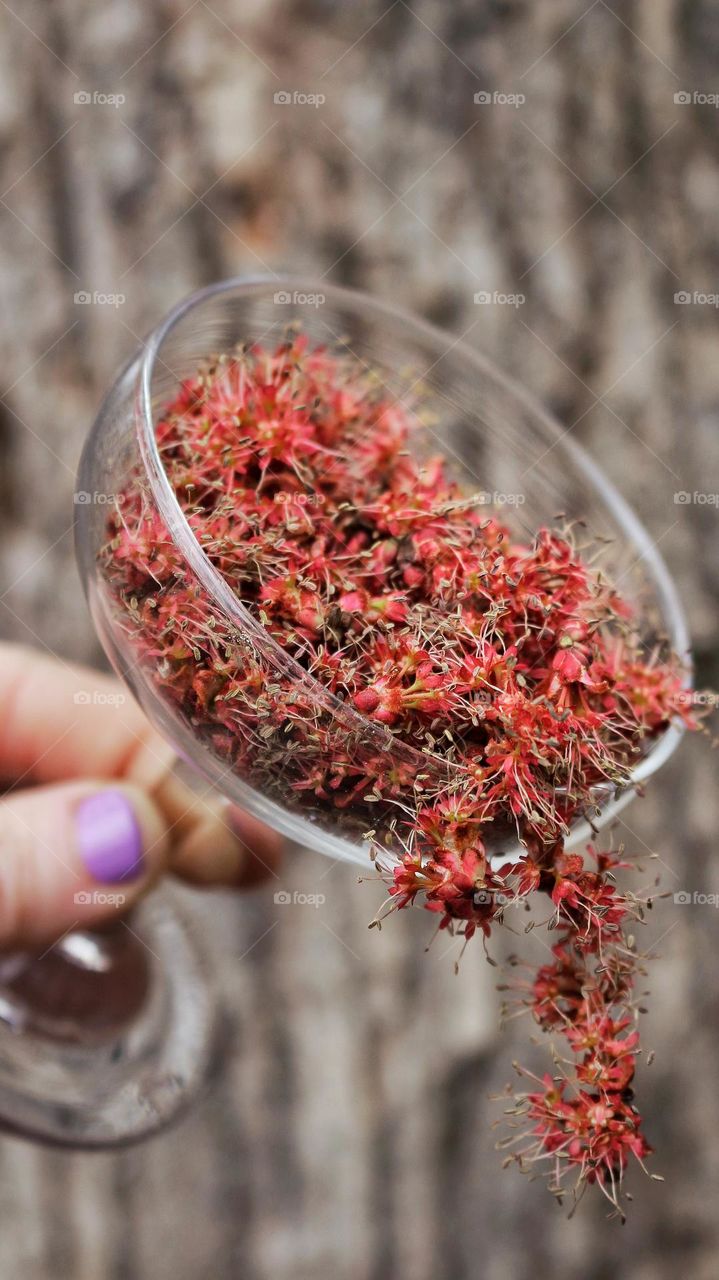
349,1136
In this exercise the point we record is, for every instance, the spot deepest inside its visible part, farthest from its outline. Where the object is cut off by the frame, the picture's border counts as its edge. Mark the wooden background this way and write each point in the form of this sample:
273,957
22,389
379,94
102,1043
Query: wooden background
349,1136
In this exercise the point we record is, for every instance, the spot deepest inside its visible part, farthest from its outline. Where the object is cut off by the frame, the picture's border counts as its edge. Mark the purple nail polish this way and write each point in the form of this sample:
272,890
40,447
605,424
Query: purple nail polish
109,837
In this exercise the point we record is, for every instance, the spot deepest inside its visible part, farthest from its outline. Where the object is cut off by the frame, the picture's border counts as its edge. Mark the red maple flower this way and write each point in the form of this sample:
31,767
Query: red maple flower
409,616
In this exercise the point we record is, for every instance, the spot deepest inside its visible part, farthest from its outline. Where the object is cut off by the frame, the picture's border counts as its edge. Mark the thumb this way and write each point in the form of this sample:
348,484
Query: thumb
73,855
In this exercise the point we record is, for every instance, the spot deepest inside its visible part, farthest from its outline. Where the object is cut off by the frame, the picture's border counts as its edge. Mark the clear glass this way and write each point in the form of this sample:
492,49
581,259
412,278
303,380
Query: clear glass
107,1036
498,441
100,1077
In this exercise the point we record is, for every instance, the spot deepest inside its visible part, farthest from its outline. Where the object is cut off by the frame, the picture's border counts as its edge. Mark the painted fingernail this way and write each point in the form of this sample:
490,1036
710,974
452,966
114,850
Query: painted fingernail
109,837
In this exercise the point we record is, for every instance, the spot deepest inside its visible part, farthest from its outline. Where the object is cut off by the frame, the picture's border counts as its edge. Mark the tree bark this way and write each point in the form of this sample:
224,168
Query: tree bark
350,1133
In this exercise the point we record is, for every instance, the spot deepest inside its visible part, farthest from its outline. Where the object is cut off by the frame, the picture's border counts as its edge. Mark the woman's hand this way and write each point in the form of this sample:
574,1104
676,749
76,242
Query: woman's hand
94,814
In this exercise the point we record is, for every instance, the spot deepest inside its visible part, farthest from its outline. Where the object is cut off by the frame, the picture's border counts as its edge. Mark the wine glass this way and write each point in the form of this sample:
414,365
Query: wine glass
498,441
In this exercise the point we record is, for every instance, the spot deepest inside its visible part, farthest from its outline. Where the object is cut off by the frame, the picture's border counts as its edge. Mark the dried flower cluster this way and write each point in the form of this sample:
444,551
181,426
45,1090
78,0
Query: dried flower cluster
583,1118
408,668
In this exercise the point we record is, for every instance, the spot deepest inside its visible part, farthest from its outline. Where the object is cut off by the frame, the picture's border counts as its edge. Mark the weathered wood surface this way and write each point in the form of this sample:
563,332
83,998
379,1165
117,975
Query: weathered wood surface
349,1136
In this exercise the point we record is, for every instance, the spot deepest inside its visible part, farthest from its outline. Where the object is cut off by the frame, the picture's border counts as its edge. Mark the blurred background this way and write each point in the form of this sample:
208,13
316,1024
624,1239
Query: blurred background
562,155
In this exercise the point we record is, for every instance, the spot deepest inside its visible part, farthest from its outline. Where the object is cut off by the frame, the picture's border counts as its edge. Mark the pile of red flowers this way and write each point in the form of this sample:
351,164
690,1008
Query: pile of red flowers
446,689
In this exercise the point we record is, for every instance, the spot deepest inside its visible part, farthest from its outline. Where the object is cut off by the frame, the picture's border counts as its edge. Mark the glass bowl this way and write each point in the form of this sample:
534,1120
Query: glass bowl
270,753
108,1035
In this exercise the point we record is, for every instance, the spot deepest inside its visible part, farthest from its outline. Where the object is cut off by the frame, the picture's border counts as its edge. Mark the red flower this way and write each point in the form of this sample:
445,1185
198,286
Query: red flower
514,669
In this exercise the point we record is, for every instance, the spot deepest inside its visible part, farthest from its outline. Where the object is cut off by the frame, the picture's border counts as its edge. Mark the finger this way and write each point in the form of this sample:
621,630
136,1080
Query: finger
251,854
74,855
56,719
59,721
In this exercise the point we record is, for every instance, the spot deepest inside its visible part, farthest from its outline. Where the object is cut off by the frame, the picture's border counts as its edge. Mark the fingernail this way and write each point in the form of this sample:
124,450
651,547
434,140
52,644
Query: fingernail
109,837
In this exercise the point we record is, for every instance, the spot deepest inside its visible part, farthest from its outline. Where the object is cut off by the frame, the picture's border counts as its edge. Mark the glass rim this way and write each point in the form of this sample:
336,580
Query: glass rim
239,615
